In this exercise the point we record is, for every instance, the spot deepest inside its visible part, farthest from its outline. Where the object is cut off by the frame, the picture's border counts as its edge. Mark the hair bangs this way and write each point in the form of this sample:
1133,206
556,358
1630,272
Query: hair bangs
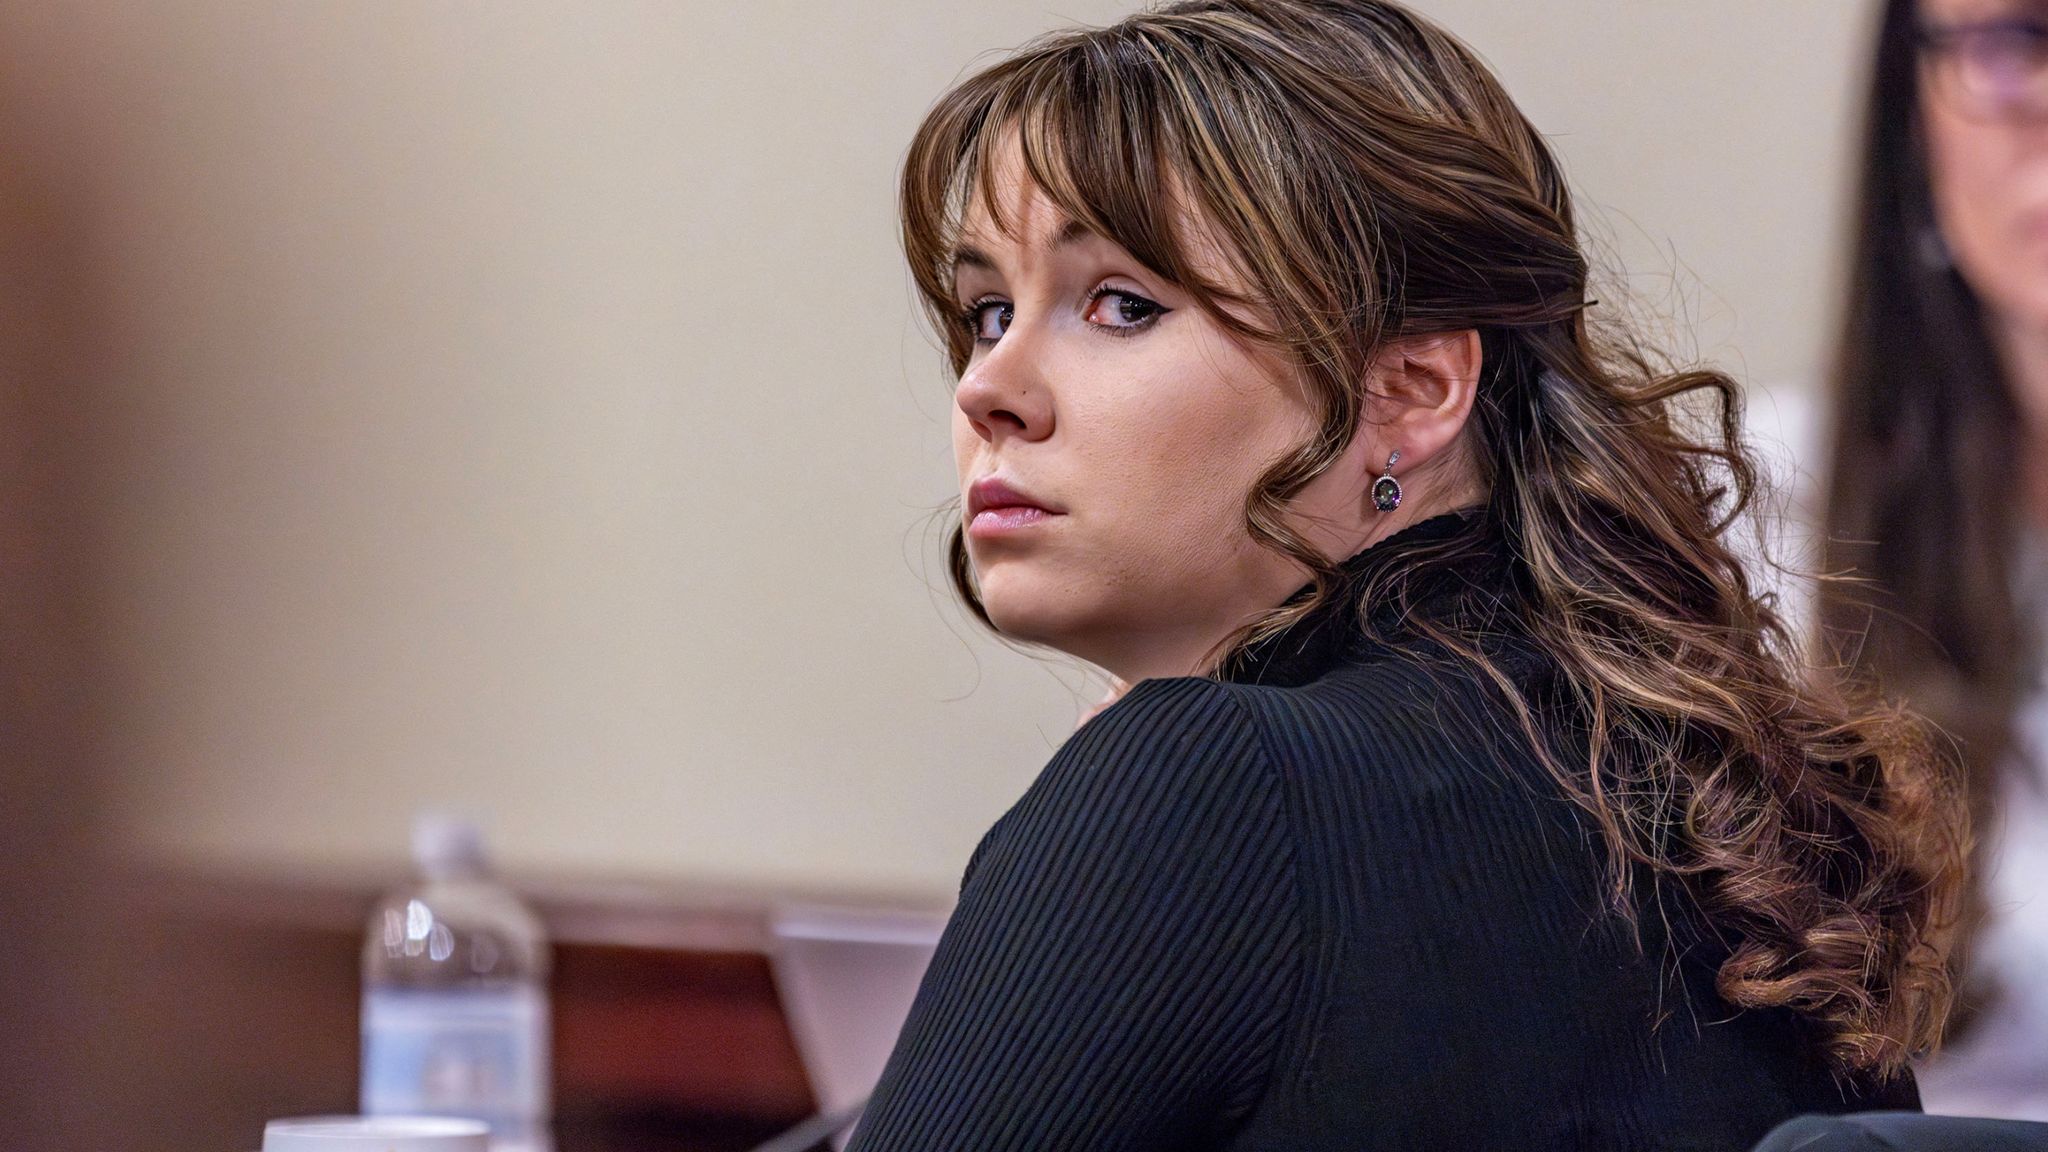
1110,133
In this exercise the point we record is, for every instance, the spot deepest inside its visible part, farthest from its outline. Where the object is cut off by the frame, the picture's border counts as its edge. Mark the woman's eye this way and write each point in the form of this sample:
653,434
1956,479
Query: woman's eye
1120,313
1117,309
2019,42
976,319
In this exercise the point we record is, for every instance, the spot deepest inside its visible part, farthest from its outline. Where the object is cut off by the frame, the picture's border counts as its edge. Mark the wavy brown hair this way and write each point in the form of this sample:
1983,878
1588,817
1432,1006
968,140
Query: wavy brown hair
1370,179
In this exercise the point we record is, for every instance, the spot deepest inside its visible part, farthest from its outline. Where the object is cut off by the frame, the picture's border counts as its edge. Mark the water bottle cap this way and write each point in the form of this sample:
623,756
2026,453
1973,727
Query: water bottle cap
445,843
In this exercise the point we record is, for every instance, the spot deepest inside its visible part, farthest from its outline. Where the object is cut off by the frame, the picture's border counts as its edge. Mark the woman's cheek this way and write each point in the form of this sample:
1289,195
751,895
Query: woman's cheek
1978,174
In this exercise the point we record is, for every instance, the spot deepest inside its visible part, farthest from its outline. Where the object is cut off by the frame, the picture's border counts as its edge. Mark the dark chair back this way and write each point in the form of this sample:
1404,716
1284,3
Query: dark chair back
1904,1132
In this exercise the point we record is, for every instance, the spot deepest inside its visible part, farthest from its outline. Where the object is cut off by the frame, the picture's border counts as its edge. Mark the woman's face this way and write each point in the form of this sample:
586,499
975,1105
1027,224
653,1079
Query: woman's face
1987,158
1127,428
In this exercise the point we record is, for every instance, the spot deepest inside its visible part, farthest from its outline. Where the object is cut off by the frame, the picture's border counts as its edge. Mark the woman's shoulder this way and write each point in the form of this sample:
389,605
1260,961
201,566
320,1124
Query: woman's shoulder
1160,806
1174,755
1166,739
1178,750
1413,718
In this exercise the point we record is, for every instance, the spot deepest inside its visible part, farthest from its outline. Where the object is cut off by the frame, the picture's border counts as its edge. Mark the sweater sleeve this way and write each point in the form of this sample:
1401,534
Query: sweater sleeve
1120,967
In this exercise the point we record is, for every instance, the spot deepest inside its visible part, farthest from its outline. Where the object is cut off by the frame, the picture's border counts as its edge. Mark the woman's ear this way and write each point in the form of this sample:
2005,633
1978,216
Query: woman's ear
1420,394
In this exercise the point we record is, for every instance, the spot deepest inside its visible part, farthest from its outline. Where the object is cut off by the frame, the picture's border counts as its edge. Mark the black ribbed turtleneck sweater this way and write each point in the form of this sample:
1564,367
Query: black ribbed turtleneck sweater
1330,900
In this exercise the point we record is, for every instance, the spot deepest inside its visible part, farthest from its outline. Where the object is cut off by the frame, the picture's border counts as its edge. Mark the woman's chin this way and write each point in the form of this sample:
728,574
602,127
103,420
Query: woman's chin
1030,610
1029,624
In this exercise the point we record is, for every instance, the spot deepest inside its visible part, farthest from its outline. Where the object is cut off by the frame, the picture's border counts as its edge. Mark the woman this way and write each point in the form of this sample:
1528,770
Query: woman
1464,796
1939,493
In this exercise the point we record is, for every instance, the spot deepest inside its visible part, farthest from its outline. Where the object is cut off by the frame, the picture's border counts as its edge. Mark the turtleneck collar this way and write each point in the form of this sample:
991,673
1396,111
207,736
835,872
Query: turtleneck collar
1323,637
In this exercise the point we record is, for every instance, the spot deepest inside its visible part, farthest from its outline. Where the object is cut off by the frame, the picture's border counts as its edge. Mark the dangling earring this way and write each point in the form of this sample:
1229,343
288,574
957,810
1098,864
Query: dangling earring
1386,491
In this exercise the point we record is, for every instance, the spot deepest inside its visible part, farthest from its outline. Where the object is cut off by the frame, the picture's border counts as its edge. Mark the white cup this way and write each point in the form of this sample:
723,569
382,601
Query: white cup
376,1134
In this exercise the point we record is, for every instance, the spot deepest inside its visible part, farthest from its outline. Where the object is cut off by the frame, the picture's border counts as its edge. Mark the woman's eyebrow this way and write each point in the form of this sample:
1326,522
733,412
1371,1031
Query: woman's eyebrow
969,256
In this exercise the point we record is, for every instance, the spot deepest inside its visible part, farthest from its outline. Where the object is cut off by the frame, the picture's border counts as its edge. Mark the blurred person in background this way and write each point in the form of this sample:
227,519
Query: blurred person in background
1464,793
1938,495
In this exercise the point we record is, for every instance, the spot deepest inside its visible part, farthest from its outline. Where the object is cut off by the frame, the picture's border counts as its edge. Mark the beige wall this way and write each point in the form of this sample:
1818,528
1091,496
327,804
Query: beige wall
519,406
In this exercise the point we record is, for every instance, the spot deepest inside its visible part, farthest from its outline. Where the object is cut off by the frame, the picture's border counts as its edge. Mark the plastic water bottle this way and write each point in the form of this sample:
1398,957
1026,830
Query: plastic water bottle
455,1008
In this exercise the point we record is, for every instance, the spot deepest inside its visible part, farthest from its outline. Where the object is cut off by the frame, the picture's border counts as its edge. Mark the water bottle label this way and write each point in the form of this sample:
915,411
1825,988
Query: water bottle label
478,1053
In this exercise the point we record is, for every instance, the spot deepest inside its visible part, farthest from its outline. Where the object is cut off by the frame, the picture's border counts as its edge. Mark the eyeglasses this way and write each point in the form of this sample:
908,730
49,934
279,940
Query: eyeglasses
1992,69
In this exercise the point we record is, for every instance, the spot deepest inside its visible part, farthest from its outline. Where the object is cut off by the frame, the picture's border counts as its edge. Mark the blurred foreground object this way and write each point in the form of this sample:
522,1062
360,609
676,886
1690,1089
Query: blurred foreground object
60,918
455,995
375,1134
669,1033
1904,1132
847,979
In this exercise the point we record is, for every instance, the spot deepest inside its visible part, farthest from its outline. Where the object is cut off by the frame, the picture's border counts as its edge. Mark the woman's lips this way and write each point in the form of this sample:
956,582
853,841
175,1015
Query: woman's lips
1009,518
995,508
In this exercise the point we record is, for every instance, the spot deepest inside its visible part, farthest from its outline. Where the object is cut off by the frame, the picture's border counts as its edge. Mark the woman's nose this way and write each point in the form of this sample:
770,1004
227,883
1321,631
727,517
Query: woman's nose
1004,395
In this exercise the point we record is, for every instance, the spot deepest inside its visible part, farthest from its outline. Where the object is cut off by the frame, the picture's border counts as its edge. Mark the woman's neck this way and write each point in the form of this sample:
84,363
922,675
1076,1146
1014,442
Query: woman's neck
1193,651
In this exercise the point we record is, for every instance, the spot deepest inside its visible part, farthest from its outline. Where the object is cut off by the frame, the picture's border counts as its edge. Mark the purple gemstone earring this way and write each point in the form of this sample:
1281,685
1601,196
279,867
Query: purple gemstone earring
1386,491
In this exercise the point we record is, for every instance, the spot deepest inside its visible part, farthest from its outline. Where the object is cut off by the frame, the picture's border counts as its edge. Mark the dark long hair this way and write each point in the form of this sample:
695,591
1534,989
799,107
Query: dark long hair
1371,179
1923,489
